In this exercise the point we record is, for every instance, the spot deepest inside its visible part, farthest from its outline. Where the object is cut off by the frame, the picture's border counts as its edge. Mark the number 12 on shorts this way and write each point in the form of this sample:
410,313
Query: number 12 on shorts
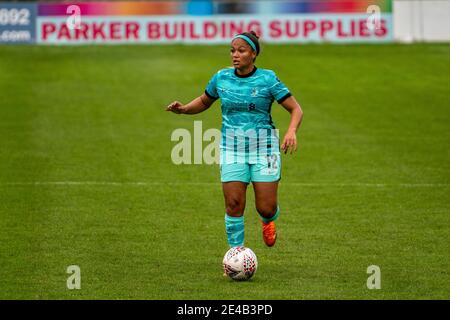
272,165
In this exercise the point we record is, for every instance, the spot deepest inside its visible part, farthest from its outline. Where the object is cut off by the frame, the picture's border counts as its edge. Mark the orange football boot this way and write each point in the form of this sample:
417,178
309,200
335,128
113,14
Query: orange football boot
269,233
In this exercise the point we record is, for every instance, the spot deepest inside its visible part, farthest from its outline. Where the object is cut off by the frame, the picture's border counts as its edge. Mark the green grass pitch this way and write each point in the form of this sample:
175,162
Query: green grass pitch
86,176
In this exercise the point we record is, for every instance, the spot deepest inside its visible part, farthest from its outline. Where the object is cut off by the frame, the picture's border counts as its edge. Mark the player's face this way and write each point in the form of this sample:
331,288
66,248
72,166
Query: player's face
242,54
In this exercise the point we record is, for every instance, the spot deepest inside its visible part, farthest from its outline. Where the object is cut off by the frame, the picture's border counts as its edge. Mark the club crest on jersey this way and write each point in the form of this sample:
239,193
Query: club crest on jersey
254,92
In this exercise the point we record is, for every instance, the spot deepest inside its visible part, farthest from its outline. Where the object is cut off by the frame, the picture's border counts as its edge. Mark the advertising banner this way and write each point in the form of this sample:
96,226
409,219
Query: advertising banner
187,29
196,22
17,23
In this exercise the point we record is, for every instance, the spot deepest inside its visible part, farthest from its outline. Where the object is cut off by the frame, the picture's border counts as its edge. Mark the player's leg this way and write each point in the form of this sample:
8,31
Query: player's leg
265,175
235,197
267,207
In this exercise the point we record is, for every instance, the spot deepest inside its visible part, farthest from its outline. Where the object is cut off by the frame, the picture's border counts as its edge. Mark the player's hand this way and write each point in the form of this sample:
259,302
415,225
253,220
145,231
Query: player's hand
289,142
175,107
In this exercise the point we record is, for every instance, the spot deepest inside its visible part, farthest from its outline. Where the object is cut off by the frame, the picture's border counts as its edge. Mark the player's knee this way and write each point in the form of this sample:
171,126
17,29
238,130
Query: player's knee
267,210
235,207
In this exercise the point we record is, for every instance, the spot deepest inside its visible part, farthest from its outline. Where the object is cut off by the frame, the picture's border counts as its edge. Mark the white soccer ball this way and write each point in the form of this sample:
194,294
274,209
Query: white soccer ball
240,263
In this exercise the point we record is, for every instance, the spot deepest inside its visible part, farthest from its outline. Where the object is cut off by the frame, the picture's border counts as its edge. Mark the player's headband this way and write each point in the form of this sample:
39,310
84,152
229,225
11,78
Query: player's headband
249,41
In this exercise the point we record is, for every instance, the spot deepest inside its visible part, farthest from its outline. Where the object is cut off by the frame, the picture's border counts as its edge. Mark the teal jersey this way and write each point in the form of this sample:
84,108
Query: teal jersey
246,101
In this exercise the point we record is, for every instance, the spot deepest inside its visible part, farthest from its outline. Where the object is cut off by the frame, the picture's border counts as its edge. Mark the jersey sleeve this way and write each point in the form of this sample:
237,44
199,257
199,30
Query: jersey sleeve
277,89
211,88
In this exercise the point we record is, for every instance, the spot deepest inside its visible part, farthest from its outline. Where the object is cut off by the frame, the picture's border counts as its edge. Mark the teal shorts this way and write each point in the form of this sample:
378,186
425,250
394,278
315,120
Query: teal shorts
265,168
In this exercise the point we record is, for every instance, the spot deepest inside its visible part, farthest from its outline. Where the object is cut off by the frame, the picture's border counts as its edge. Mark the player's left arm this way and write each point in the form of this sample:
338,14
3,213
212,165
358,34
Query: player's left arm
290,138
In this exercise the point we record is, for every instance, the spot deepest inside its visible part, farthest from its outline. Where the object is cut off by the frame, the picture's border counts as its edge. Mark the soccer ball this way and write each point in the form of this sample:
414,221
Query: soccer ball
240,263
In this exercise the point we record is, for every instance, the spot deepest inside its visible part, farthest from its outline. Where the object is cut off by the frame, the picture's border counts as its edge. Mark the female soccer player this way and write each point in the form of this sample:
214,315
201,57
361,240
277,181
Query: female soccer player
250,150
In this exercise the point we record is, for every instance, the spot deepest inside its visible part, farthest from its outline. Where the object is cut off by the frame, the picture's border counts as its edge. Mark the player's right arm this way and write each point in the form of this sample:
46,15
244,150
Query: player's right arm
197,105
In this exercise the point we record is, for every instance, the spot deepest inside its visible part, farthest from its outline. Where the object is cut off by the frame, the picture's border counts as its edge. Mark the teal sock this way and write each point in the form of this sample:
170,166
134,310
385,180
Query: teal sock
273,218
234,227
